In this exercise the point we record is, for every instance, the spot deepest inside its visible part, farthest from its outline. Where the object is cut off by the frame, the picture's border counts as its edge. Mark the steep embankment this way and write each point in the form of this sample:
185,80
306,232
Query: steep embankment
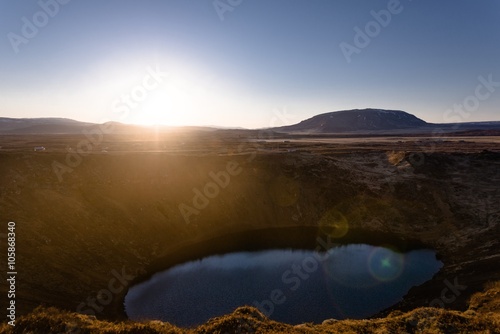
83,240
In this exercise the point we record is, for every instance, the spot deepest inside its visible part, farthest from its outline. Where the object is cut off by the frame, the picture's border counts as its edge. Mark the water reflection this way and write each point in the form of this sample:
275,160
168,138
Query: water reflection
292,286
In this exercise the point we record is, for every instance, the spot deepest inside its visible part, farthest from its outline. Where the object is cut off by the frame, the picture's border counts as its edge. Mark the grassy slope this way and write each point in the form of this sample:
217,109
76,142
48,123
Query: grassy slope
483,316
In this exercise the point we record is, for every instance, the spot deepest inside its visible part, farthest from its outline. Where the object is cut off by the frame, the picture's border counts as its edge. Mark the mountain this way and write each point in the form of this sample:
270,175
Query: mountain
380,121
355,121
41,126
30,126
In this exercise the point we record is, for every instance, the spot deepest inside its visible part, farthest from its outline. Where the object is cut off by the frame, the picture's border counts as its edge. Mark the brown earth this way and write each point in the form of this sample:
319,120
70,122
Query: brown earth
116,214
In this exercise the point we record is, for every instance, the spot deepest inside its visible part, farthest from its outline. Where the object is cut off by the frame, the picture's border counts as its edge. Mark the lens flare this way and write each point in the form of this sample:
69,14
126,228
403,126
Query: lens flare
334,224
346,265
385,265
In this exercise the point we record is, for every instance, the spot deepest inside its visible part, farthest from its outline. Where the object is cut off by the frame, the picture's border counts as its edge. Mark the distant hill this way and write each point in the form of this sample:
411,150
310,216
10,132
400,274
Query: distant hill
364,122
29,126
380,121
41,126
355,121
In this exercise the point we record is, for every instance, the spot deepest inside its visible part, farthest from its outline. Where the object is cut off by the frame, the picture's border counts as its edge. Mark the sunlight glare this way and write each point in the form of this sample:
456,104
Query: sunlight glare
173,104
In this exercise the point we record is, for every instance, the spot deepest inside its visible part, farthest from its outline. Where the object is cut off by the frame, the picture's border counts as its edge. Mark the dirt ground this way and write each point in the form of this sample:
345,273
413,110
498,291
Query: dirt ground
112,208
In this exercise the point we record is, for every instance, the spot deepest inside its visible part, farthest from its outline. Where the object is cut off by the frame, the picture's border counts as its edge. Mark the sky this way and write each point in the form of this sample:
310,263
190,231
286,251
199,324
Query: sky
248,63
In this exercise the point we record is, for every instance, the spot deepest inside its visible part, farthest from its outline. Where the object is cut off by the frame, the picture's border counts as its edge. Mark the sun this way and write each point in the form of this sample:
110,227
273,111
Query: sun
174,103
161,108
156,111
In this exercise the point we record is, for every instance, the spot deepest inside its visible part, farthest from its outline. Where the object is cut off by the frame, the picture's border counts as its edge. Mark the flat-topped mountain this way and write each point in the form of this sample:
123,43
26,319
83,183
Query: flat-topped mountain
357,120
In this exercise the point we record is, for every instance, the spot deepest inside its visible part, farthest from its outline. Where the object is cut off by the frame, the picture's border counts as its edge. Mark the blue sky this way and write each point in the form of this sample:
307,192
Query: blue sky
248,63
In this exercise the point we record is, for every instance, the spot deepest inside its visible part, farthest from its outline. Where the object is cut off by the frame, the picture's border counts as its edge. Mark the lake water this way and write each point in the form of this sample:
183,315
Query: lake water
292,286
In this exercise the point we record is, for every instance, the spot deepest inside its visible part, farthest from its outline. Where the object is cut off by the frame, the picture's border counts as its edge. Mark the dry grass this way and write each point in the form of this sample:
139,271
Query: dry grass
483,316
